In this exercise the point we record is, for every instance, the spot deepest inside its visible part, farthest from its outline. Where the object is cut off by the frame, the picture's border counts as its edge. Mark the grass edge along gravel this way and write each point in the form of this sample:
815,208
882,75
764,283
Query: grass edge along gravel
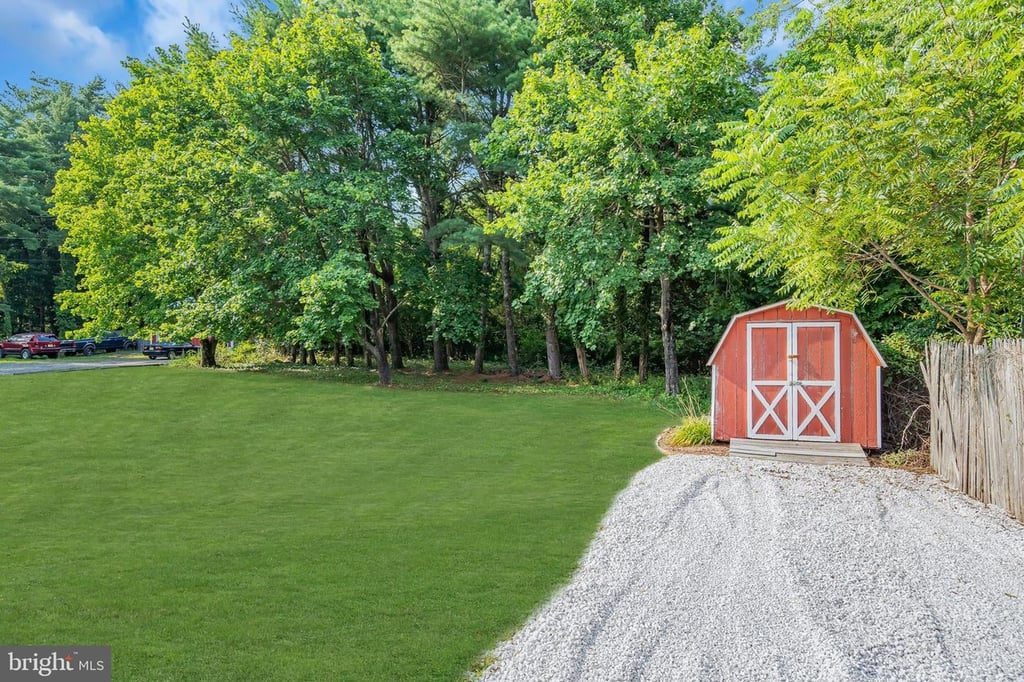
238,526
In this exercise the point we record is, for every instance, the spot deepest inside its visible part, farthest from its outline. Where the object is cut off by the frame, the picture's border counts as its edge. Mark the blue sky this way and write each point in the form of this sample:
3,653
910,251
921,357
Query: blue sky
75,40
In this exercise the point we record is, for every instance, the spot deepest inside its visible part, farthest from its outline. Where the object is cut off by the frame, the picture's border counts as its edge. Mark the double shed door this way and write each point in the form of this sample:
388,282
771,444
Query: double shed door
793,381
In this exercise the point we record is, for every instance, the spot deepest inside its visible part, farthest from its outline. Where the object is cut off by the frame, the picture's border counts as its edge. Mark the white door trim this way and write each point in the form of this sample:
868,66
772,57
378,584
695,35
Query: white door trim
753,390
793,389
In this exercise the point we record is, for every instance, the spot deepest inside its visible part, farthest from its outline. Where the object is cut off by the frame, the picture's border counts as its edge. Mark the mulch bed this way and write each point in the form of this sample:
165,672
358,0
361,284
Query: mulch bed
717,449
917,465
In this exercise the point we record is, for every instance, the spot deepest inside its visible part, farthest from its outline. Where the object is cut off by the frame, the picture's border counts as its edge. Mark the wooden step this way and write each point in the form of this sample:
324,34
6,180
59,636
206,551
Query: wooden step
799,451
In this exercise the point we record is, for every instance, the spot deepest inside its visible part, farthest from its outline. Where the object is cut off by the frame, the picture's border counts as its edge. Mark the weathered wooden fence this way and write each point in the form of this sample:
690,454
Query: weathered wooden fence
976,395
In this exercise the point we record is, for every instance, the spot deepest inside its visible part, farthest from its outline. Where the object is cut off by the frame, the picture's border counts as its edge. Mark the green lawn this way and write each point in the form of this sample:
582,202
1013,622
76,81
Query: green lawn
231,526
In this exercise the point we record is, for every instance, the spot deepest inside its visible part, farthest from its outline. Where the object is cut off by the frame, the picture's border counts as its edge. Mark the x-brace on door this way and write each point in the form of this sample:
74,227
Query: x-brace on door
793,380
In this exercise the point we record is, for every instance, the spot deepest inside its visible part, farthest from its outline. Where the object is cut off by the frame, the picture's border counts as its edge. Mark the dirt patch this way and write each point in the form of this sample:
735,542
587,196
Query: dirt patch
501,377
914,461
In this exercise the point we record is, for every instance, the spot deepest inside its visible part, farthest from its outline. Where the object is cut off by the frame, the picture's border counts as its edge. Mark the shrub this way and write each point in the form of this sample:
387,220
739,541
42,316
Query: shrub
248,353
914,460
905,416
693,431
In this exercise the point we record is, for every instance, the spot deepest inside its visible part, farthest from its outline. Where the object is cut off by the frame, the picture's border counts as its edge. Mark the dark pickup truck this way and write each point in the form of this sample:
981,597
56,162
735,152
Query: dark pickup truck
165,349
108,344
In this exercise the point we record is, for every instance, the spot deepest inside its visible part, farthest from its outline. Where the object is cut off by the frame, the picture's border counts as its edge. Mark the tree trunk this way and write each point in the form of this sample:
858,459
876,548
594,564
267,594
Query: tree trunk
383,368
551,338
376,347
668,337
975,334
208,350
481,341
312,356
432,191
431,213
364,335
294,353
645,311
376,318
303,356
350,356
581,360
393,340
440,352
645,332
506,298
337,353
378,353
620,331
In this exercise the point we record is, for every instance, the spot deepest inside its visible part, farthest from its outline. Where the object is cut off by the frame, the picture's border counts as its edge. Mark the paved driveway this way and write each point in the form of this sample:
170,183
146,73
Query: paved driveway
716,568
36,366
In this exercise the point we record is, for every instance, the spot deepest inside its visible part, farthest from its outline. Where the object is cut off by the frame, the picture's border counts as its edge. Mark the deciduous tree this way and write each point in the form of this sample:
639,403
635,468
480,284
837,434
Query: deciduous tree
251,191
888,143
464,59
617,145
36,124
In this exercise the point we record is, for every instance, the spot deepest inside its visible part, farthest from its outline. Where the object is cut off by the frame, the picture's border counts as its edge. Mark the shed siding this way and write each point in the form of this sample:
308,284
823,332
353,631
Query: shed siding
858,373
731,398
858,389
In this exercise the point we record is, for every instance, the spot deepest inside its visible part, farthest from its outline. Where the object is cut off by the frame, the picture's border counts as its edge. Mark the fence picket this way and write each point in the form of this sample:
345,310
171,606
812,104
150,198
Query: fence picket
976,396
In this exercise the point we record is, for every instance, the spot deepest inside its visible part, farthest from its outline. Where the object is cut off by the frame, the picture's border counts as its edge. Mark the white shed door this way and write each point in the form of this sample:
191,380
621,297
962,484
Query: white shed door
793,380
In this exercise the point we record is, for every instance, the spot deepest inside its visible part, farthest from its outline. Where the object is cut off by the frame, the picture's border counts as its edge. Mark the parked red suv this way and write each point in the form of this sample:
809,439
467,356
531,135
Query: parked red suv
32,343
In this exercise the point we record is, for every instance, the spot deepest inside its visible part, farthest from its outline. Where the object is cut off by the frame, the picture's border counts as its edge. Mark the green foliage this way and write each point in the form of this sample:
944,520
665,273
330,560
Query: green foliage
309,185
463,60
8,270
333,301
611,136
248,354
36,124
594,35
693,401
888,143
693,431
458,286
461,51
242,192
132,191
897,458
694,398
903,352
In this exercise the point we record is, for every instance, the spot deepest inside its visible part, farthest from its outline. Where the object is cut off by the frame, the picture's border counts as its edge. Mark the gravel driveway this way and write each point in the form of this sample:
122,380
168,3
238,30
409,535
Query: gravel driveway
39,366
715,568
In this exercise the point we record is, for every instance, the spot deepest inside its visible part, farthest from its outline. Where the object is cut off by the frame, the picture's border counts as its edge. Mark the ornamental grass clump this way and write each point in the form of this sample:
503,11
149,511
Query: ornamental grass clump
693,431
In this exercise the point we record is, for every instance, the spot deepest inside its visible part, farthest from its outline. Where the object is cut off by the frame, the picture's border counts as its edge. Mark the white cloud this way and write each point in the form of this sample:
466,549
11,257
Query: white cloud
56,35
75,35
165,19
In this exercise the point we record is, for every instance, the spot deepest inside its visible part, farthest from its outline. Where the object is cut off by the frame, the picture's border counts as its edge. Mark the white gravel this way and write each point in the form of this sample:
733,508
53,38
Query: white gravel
715,568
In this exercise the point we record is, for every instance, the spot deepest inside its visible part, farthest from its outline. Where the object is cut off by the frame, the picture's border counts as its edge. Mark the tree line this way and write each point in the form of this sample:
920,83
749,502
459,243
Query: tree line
36,125
503,180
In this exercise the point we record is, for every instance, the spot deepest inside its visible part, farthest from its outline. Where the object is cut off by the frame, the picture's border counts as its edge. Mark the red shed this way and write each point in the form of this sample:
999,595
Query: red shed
797,375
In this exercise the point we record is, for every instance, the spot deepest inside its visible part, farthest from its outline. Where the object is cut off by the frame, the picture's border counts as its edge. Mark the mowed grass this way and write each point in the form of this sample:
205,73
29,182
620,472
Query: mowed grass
213,525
